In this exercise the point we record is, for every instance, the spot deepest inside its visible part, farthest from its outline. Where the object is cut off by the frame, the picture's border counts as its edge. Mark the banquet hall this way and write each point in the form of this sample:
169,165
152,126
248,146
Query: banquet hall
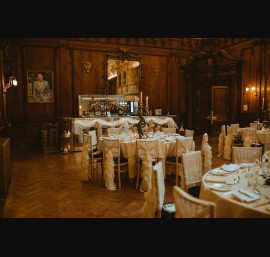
135,127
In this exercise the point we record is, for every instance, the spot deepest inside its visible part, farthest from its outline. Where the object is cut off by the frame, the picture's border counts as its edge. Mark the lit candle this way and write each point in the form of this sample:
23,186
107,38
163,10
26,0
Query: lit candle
141,99
146,102
263,103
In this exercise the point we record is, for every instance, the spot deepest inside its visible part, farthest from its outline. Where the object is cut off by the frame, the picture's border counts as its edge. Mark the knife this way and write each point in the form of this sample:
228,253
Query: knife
261,204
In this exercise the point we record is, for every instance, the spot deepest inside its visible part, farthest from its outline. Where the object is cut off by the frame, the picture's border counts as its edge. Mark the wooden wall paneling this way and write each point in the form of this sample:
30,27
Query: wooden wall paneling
267,74
36,114
156,86
87,82
256,79
246,79
65,90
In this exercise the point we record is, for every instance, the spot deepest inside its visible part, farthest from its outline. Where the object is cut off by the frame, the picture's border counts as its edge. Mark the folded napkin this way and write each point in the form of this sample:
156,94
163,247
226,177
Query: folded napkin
215,179
169,139
244,195
231,167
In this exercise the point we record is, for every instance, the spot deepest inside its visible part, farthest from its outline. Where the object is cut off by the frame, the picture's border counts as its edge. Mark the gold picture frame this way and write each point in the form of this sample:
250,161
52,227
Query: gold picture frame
40,86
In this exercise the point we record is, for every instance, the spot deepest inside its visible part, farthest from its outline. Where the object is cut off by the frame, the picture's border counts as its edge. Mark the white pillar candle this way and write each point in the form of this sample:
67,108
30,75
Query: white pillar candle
146,102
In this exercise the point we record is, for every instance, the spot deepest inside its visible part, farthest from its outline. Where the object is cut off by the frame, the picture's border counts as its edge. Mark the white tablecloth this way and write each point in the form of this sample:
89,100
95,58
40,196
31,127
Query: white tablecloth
263,136
166,148
228,207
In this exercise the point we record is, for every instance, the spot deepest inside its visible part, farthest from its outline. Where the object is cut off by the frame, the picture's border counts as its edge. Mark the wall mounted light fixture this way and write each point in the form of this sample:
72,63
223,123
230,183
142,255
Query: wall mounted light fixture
253,89
12,82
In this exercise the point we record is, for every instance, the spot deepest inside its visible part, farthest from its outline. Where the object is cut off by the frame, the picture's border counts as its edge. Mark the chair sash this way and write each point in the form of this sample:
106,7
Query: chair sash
149,147
234,128
189,133
108,175
184,145
207,153
266,156
85,164
228,144
221,142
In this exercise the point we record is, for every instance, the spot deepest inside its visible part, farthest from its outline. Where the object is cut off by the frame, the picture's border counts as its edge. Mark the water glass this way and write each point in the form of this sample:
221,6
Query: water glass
251,178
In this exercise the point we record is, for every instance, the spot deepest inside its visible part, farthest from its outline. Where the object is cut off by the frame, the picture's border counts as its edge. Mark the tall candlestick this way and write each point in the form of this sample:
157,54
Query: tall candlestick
263,103
146,102
141,99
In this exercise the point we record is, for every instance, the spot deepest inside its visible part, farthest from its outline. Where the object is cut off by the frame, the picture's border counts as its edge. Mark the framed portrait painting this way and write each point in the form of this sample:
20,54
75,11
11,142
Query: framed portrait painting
40,86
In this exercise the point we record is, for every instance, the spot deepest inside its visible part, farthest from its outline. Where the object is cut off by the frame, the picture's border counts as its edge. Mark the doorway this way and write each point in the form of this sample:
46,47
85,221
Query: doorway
212,109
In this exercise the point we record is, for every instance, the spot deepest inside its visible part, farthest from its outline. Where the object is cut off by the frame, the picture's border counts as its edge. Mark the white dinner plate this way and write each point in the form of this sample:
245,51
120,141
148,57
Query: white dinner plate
220,187
217,172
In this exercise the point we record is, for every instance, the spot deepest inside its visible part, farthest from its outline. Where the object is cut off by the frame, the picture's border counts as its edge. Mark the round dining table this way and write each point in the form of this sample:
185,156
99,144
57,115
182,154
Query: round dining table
166,148
233,197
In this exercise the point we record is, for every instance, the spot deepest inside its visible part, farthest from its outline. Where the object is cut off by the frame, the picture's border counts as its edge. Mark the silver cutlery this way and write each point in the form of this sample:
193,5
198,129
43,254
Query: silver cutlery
235,181
261,204
257,191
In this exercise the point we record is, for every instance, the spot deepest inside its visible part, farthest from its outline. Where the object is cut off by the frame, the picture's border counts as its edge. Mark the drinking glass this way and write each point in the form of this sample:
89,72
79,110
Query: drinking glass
251,178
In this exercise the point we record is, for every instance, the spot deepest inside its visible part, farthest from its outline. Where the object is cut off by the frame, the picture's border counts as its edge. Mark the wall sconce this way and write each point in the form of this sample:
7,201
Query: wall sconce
252,89
12,82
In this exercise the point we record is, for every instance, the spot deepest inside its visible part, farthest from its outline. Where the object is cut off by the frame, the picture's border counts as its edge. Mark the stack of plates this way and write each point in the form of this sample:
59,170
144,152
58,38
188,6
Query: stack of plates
220,187
217,172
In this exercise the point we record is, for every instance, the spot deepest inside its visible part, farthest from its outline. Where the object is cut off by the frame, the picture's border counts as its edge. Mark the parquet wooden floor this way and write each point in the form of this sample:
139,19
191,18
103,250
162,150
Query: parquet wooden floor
49,186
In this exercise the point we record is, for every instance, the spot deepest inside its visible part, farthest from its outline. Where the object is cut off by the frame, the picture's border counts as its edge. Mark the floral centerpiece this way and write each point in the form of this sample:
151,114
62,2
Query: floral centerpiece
266,162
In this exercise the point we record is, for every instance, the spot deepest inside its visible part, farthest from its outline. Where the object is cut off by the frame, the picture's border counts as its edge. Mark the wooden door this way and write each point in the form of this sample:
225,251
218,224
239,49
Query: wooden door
212,109
203,108
219,108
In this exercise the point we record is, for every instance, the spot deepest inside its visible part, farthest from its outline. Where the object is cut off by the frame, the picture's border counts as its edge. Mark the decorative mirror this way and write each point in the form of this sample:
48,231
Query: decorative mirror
123,74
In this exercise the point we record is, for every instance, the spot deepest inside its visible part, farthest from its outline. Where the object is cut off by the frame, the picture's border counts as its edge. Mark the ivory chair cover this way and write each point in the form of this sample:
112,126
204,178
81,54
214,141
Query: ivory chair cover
187,206
94,156
192,170
146,151
206,150
111,150
154,198
168,130
221,140
112,131
263,137
246,154
249,135
228,144
234,128
93,134
189,133
266,156
85,163
256,125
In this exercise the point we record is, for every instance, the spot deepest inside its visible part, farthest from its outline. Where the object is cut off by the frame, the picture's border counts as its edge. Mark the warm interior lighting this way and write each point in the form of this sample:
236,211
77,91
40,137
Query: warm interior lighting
253,88
113,76
247,89
14,82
